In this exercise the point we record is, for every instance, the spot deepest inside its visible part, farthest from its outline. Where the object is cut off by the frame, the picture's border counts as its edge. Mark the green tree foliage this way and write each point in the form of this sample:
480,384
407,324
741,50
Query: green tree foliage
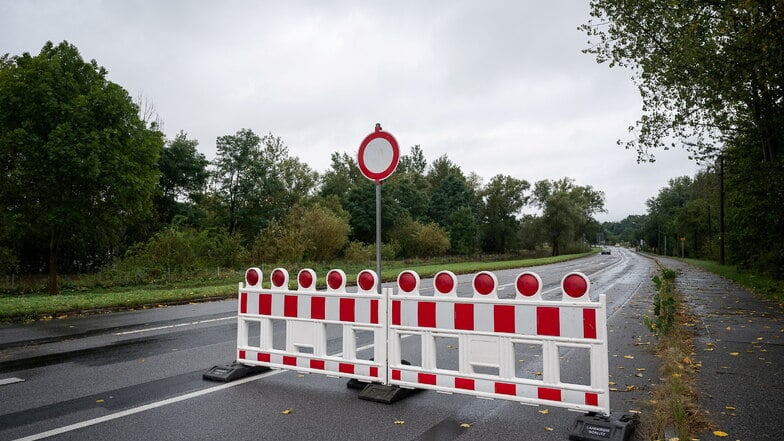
78,165
415,239
707,71
342,176
184,177
255,181
504,197
567,210
308,233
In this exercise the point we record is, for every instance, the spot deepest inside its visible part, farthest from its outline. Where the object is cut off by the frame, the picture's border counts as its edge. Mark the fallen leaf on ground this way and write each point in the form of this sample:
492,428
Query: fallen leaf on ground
287,411
400,422
720,434
630,357
465,425
544,411
549,429
734,353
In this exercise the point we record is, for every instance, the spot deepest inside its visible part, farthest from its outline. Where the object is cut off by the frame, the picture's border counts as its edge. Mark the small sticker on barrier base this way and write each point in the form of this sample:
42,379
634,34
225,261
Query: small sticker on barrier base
233,371
596,427
381,393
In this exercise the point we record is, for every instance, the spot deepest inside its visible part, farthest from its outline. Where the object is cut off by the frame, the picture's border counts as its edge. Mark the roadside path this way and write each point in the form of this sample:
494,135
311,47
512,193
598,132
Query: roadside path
739,342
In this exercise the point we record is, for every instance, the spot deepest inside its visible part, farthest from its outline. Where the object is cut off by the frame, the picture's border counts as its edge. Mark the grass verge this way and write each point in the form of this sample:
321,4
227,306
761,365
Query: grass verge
15,308
674,398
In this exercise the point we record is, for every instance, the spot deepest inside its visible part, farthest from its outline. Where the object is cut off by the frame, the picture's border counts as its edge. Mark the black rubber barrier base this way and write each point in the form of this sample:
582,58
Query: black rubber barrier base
595,427
233,371
381,393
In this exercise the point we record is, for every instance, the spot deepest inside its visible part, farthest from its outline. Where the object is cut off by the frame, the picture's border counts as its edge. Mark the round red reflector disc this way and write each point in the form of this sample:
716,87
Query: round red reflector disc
305,279
366,281
484,284
575,285
252,277
407,282
527,285
444,283
278,278
334,280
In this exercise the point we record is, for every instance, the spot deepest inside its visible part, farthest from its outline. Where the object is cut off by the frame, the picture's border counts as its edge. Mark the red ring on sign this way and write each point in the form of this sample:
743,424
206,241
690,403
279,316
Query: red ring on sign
444,283
366,280
407,281
378,176
527,284
252,277
305,279
334,280
484,283
575,285
278,278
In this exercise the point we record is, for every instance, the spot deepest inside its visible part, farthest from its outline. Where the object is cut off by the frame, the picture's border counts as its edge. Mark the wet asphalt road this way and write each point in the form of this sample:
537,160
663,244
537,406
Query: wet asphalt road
137,375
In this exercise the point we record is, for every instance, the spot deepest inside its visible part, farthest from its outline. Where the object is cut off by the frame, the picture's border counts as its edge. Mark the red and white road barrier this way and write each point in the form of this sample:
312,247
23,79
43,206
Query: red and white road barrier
487,332
307,313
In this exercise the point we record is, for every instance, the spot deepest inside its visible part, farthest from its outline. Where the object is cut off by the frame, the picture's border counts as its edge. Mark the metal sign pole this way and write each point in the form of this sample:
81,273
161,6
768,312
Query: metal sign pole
378,234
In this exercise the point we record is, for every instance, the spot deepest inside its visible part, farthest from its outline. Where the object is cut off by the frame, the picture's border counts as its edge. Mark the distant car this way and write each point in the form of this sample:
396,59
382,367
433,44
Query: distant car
606,251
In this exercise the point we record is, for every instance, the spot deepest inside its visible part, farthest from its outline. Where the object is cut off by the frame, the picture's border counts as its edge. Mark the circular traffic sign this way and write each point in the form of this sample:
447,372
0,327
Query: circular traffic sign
378,155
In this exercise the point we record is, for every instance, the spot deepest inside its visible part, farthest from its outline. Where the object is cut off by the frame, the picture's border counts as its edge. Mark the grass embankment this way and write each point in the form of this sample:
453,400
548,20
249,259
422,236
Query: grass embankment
43,306
765,287
674,399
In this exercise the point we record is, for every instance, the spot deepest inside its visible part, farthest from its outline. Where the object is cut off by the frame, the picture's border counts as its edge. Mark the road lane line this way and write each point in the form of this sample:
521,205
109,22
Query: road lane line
12,380
166,402
178,325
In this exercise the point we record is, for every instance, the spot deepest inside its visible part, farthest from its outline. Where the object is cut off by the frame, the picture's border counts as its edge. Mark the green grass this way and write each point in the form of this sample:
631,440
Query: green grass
42,306
765,287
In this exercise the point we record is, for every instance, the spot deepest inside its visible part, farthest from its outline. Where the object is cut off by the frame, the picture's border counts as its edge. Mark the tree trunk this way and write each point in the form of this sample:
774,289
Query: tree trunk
54,249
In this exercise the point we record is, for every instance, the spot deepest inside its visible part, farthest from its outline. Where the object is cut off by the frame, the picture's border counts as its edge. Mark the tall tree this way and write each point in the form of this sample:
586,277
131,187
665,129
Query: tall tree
77,162
256,181
504,197
567,210
707,71
184,175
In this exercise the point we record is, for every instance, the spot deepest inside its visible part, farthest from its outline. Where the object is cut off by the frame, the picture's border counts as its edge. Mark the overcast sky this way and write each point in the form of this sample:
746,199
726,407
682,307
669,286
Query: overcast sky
500,87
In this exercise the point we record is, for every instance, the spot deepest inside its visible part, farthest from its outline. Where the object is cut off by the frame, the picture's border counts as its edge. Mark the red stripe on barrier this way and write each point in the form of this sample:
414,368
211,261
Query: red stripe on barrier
548,321
504,318
426,314
395,374
317,364
374,312
505,388
262,356
346,310
591,399
589,323
243,303
265,304
241,355
290,361
464,316
465,383
346,368
396,312
426,378
318,308
373,371
546,393
290,306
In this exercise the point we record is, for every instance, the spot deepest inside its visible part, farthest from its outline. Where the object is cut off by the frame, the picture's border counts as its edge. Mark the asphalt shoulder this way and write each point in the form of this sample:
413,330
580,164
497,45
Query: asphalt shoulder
739,348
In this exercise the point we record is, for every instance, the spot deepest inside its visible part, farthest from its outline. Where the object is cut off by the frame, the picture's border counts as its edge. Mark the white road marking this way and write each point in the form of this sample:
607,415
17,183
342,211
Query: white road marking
150,406
12,380
178,325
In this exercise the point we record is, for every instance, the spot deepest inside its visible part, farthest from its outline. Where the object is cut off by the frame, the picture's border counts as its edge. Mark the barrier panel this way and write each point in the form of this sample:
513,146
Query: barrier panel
489,332
310,317
484,336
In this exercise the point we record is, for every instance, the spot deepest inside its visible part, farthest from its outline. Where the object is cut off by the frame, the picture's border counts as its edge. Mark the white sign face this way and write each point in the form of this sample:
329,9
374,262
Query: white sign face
378,155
